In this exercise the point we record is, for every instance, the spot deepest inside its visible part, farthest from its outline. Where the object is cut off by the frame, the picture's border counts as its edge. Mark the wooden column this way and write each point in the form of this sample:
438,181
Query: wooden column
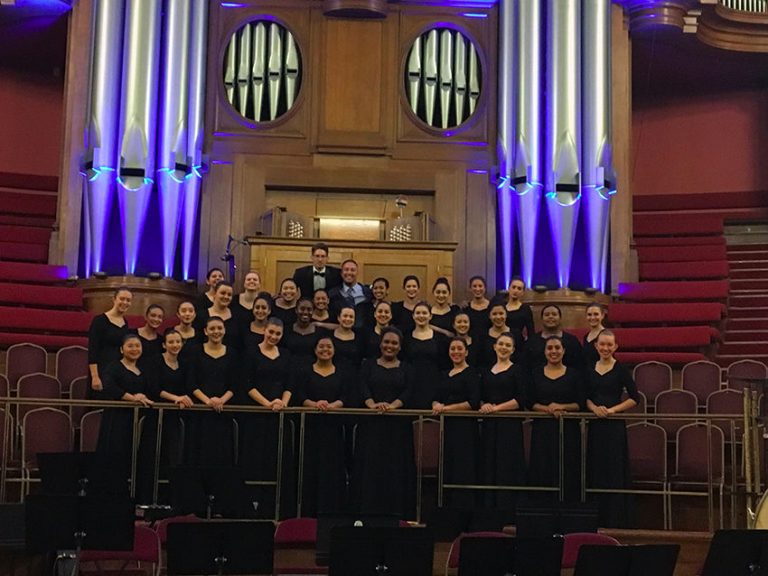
65,240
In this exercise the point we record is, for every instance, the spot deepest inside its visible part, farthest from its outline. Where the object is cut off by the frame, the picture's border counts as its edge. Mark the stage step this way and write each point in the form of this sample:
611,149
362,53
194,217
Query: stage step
745,324
745,348
32,273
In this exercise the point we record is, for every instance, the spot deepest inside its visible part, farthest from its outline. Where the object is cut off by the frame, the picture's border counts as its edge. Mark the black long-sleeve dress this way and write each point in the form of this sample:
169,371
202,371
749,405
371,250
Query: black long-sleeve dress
384,477
115,442
259,433
104,342
520,322
461,435
445,321
233,336
324,487
479,322
163,378
427,359
502,438
402,317
534,352
589,349
212,441
607,452
544,466
302,346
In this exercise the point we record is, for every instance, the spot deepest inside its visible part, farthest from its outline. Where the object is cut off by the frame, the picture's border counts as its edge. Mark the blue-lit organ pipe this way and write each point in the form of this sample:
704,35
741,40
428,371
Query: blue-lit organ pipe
563,120
527,169
243,67
99,161
598,178
506,134
474,79
460,78
173,165
137,121
197,59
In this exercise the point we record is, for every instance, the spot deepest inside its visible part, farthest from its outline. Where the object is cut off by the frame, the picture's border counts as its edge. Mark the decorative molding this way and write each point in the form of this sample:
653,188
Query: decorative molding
646,13
355,8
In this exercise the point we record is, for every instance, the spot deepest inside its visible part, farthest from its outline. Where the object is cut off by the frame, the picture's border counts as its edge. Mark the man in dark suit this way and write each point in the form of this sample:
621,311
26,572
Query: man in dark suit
318,276
351,293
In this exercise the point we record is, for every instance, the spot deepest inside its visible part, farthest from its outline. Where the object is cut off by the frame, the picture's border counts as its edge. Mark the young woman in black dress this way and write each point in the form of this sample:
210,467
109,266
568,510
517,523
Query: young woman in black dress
151,339
321,387
477,307
262,309
402,312
268,385
124,380
458,389
382,315
213,374
348,345
607,452
167,380
205,300
186,314
519,314
301,337
497,316
501,390
442,309
555,390
384,477
105,337
380,292
426,352
222,298
595,317
321,301
284,305
551,320
462,327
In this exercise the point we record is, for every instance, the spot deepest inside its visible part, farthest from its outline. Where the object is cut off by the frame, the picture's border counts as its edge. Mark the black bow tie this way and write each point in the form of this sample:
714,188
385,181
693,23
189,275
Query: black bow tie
319,273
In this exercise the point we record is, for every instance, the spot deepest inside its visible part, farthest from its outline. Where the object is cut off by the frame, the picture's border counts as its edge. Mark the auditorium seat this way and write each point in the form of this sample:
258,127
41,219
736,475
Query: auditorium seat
683,270
659,314
46,341
652,378
671,358
25,272
675,402
146,549
49,321
24,358
78,391
675,224
702,378
693,253
647,446
693,463
37,385
43,430
40,297
71,363
679,241
728,402
661,291
740,372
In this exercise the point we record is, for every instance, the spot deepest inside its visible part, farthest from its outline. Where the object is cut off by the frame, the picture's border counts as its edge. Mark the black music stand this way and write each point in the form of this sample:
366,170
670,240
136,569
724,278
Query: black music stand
327,522
80,473
482,556
221,547
210,491
737,553
656,559
376,551
545,521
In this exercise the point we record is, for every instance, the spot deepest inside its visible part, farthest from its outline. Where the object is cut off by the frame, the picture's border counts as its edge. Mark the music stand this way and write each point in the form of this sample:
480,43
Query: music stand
221,547
545,521
78,473
737,553
56,522
327,522
598,560
208,491
482,556
373,551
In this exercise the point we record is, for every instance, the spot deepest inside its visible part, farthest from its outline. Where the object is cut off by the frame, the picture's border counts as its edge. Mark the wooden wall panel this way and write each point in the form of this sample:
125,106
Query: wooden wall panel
354,87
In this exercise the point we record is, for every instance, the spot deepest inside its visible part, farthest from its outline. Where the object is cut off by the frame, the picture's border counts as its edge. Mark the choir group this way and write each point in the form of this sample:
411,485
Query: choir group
326,341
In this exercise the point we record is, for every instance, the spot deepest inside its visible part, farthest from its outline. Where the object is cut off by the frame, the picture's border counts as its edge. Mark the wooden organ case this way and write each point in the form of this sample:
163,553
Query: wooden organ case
349,140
